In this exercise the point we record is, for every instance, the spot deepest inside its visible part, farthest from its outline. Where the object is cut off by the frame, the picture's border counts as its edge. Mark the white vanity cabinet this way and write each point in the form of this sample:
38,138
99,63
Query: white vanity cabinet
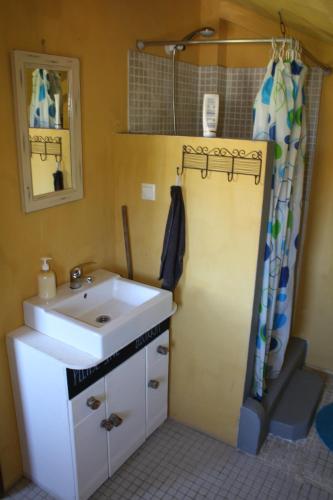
72,443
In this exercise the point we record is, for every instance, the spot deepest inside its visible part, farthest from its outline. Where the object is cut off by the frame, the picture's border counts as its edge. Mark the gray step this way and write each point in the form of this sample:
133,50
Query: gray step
254,415
294,359
293,415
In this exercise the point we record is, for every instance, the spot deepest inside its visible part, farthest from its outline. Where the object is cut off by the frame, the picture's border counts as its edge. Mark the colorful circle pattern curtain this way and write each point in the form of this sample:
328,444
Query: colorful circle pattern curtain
279,116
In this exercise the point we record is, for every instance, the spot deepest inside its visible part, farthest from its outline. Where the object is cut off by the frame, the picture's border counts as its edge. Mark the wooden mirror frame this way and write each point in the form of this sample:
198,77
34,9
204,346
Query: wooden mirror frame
20,62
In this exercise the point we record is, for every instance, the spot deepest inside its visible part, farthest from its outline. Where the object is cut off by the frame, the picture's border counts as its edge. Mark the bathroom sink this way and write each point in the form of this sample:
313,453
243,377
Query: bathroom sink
102,317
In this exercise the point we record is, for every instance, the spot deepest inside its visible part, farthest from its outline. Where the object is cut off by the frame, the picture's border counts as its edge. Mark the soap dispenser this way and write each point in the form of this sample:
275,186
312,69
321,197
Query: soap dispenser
46,280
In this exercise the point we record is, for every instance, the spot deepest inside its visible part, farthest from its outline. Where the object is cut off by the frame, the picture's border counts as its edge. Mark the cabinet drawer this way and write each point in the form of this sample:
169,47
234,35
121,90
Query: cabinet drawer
153,355
157,394
91,453
79,404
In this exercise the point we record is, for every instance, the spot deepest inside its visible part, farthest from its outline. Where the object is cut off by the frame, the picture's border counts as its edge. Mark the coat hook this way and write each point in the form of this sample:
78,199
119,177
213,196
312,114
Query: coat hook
204,173
180,170
221,160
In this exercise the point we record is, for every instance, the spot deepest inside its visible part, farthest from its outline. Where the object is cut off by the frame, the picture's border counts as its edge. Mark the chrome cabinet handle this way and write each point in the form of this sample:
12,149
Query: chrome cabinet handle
107,424
111,422
153,384
115,420
93,403
162,349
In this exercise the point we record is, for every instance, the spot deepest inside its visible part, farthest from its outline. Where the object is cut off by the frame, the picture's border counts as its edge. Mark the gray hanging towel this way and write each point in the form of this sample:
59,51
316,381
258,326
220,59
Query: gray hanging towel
174,241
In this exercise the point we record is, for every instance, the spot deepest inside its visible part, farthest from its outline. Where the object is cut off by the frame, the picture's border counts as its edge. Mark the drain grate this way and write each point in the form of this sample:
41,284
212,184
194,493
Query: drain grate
103,318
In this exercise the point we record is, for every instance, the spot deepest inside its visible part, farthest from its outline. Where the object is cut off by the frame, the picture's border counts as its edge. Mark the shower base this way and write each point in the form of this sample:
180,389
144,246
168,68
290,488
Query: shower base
289,406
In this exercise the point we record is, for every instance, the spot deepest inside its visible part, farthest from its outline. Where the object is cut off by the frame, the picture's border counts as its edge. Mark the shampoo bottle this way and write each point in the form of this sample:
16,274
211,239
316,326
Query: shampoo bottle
57,121
210,114
46,280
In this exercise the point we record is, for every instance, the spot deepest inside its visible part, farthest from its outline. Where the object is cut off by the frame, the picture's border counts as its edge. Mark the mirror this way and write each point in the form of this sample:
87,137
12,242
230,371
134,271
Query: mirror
47,102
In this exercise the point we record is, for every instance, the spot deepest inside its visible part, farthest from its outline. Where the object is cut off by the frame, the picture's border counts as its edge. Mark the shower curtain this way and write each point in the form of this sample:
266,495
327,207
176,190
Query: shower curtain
279,116
45,85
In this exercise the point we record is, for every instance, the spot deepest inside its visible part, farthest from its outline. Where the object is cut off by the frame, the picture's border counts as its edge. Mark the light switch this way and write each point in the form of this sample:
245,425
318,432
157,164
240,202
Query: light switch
148,191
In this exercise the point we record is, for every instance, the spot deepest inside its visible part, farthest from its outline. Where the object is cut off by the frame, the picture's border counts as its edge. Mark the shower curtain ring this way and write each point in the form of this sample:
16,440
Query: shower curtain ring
274,48
292,49
282,49
299,49
290,53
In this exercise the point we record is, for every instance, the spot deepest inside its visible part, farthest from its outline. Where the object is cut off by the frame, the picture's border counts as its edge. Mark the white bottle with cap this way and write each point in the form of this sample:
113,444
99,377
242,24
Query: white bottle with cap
210,114
46,280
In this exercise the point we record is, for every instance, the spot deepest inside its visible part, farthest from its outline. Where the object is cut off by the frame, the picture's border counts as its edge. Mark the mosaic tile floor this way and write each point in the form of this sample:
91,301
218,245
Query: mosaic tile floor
180,463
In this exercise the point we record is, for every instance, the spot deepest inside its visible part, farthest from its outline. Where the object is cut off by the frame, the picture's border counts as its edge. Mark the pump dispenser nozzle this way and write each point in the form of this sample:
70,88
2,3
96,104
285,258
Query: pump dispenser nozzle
45,263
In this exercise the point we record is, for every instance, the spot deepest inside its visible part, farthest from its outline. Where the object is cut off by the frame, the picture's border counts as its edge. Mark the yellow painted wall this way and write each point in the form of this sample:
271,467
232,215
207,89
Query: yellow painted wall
210,332
99,33
314,311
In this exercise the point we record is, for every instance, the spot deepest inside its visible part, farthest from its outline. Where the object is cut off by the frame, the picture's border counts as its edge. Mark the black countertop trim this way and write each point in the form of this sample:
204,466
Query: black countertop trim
78,380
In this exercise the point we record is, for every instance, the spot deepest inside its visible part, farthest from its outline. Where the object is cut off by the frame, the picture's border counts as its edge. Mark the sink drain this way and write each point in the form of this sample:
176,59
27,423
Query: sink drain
103,318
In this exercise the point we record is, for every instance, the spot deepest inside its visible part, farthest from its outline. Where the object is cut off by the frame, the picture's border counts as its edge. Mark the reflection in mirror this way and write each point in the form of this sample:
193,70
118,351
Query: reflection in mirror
47,96
50,160
47,93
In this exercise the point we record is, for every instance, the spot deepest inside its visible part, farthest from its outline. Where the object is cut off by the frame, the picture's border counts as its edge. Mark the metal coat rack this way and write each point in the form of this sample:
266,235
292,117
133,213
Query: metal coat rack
231,163
46,146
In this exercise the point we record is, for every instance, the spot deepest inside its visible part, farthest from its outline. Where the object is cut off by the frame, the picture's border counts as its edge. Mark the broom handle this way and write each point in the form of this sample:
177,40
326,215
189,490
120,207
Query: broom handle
127,242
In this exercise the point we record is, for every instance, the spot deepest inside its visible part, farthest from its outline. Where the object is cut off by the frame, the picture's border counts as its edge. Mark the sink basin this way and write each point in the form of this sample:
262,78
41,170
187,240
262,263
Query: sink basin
102,317
107,302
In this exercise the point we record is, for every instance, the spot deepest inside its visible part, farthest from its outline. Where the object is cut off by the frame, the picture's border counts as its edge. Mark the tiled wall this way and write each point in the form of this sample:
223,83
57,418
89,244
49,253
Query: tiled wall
186,99
149,94
241,89
150,98
313,88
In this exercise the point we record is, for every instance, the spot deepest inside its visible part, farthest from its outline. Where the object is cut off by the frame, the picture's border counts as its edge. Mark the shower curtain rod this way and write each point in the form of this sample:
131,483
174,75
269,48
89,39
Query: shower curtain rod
141,44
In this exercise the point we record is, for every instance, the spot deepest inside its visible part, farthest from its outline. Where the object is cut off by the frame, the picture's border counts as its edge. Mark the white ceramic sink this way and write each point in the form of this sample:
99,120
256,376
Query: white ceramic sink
102,317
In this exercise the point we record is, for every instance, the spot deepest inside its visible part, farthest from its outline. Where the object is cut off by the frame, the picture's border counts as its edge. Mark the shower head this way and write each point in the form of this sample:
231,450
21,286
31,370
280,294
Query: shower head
205,31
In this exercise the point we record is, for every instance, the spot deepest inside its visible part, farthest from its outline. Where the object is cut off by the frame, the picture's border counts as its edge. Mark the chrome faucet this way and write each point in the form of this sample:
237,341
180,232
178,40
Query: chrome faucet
76,276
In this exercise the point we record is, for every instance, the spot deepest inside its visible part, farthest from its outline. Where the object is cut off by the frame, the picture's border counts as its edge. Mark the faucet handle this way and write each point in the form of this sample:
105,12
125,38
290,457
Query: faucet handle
89,278
77,270
76,274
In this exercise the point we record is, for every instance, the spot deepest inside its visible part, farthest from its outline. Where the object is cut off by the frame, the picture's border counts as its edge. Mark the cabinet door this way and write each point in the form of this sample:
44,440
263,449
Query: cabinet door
157,382
90,444
126,398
